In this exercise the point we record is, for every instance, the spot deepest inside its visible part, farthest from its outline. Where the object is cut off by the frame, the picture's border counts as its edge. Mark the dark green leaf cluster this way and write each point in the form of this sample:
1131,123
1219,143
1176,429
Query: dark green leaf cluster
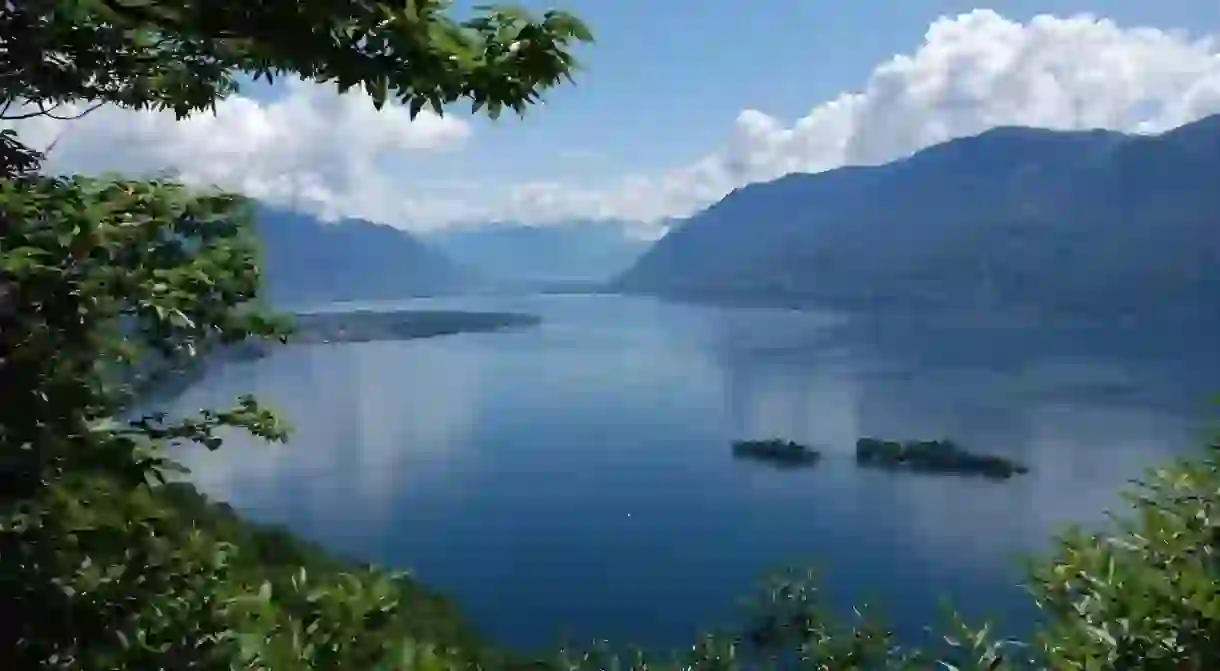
108,284
182,55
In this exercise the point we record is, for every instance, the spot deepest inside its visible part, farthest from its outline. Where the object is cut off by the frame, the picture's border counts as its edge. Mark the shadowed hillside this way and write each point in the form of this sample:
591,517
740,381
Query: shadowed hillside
1051,222
310,261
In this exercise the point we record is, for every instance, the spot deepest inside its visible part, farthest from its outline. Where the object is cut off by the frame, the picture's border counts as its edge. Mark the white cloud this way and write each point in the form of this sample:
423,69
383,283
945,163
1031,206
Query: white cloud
972,72
311,146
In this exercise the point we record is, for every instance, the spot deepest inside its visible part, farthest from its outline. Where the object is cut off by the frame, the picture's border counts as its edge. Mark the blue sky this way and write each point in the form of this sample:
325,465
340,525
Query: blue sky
681,101
666,79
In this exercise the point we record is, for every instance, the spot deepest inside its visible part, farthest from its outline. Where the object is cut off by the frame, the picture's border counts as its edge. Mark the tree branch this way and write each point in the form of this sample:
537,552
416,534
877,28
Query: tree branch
43,111
88,110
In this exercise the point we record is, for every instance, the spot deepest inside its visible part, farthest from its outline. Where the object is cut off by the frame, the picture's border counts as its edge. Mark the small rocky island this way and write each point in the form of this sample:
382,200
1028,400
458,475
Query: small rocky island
933,456
776,451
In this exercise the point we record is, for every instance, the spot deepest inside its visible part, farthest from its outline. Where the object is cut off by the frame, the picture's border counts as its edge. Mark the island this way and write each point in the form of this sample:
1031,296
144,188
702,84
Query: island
776,451
933,456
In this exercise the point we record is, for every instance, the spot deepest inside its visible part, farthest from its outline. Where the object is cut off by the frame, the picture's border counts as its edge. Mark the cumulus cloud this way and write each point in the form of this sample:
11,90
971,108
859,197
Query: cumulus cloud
971,72
310,146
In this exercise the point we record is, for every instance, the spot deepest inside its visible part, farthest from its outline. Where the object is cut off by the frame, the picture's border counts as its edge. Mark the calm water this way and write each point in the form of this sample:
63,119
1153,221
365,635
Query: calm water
575,479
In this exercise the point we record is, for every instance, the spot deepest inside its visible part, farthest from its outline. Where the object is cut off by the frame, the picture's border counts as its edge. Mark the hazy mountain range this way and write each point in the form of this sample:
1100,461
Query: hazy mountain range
307,261
1014,218
1094,222
573,251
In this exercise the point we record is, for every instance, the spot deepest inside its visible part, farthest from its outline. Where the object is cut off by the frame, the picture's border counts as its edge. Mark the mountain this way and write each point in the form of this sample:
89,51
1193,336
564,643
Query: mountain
511,252
1014,218
306,260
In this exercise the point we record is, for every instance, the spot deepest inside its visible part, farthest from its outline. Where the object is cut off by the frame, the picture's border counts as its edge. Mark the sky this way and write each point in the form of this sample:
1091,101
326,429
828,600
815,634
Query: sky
678,103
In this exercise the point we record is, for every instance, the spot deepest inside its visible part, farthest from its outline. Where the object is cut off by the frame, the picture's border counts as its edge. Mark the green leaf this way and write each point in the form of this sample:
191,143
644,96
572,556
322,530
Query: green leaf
378,89
416,106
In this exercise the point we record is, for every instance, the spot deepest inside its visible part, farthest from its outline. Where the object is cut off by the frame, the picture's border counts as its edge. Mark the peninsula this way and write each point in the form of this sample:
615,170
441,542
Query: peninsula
357,326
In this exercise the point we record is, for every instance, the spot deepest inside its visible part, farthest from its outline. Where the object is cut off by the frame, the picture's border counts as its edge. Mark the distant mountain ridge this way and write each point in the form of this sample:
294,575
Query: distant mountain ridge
510,252
1014,218
306,260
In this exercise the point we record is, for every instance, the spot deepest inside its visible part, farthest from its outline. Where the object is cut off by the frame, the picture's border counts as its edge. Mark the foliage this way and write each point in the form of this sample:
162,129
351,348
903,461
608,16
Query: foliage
1148,596
182,54
107,286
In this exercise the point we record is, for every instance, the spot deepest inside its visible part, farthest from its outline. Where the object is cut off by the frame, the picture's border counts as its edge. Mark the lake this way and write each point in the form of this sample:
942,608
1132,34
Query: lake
574,480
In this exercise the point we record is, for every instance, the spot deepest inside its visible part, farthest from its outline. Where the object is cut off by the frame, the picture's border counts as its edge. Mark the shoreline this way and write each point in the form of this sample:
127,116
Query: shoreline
332,328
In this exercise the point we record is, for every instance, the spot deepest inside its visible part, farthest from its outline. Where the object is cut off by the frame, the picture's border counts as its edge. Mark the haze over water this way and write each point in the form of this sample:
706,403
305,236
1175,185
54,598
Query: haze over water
575,479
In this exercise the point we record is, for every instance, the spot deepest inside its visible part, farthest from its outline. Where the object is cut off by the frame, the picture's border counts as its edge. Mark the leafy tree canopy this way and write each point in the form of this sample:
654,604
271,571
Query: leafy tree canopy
107,287
184,55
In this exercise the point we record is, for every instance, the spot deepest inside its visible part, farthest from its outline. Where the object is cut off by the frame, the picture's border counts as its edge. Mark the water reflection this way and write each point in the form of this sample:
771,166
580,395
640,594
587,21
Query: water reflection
534,474
366,424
